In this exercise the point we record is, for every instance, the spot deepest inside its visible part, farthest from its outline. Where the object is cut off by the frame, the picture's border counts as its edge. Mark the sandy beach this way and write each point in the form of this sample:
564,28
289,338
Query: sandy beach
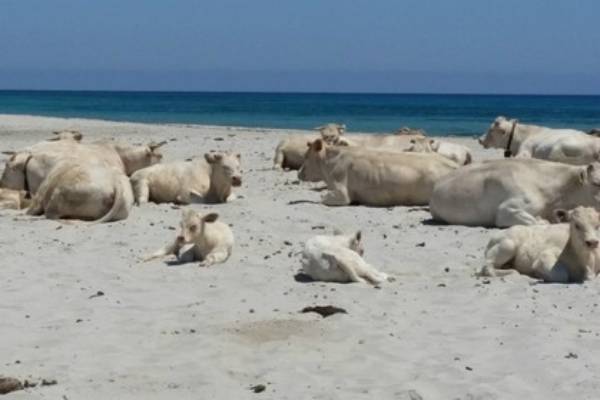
80,308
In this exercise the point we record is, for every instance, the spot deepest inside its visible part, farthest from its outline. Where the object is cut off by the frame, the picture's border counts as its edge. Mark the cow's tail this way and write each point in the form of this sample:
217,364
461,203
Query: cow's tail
119,204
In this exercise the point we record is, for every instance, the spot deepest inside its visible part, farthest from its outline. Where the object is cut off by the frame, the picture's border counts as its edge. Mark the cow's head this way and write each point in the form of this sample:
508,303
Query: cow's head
193,225
330,133
421,145
13,176
138,157
69,134
498,133
311,168
226,166
583,226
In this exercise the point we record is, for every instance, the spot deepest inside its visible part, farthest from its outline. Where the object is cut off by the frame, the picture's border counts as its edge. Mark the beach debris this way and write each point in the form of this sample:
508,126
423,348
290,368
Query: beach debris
422,244
258,388
99,293
324,311
572,355
8,385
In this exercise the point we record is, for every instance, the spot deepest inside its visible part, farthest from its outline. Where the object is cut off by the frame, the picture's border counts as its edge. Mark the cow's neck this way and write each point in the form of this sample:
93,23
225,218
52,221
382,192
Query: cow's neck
579,260
220,188
520,134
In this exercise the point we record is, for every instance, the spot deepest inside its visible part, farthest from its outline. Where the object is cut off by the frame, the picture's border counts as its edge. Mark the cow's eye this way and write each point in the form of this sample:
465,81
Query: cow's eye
193,228
578,227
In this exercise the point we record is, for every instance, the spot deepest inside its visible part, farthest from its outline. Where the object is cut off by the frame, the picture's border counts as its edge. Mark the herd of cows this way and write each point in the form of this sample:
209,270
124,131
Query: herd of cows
546,191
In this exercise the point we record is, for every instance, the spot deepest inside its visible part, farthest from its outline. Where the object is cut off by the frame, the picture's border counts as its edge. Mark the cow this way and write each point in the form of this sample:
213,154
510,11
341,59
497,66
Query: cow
75,190
68,134
371,177
209,179
503,193
564,252
25,170
202,238
455,152
13,199
530,141
338,258
289,153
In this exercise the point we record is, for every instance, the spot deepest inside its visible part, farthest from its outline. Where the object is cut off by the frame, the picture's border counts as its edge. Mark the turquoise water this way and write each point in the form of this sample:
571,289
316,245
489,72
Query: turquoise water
437,114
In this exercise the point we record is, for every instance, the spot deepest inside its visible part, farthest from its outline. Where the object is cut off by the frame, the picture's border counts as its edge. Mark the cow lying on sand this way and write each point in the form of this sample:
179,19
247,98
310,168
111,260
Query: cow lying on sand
338,258
511,192
374,178
25,170
208,179
86,192
455,152
531,141
566,252
210,241
13,199
289,153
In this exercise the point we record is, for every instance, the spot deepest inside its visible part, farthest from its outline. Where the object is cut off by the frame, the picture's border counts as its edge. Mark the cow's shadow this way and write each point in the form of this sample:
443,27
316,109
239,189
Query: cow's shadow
294,202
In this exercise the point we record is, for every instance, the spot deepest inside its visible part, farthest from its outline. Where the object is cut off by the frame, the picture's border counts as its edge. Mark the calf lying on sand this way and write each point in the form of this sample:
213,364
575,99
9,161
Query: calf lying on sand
511,192
211,241
338,258
566,252
208,179
455,152
289,153
13,199
371,177
87,192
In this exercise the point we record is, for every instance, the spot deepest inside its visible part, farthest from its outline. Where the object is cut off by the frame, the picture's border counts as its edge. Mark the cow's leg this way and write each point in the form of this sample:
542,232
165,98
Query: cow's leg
545,267
498,256
53,209
515,212
279,159
348,268
336,196
216,257
141,191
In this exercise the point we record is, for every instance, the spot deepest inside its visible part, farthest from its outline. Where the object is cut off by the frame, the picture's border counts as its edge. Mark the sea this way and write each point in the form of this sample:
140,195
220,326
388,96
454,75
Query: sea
438,114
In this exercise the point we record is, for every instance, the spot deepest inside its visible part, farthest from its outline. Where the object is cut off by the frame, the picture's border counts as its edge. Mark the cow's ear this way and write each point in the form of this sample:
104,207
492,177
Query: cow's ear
153,145
561,215
308,144
317,145
212,158
238,156
211,217
9,153
358,236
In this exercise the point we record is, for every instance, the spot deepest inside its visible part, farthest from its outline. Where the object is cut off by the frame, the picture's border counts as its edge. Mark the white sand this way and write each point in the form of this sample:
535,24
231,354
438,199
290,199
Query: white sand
185,332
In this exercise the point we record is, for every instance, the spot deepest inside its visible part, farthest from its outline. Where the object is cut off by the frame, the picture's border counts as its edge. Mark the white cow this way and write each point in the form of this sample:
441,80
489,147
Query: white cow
371,177
289,153
25,170
455,152
510,192
531,141
209,179
566,252
83,191
67,134
202,238
338,258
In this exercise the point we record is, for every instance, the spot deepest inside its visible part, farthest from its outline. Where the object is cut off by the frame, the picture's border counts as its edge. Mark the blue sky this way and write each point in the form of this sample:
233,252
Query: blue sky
508,46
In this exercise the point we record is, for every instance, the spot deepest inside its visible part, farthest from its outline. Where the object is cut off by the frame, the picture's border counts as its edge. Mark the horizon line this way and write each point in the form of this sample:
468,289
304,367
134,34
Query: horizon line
298,92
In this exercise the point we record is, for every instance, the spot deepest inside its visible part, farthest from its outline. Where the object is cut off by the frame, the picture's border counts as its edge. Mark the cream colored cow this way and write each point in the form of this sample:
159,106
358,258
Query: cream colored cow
338,258
511,192
289,153
209,179
531,141
25,170
566,252
371,177
202,238
67,134
83,191
455,152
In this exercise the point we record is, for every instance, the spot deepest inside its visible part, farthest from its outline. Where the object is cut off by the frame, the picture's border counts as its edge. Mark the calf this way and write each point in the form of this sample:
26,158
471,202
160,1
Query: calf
209,179
86,192
566,252
211,241
338,258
